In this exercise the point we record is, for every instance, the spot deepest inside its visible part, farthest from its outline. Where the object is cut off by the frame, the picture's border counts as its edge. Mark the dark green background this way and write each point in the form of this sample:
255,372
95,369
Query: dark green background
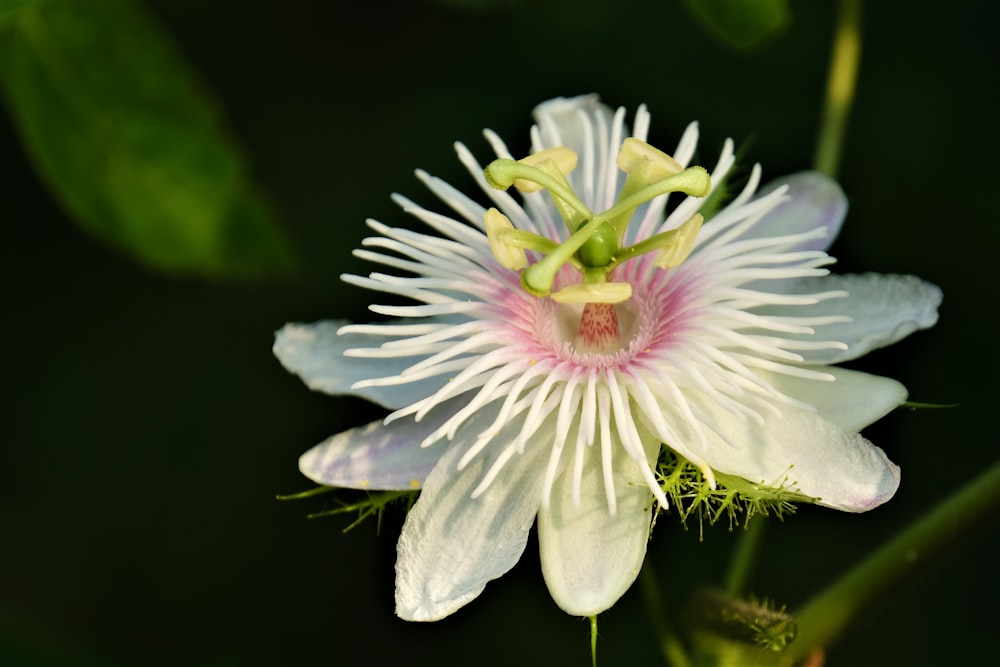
148,428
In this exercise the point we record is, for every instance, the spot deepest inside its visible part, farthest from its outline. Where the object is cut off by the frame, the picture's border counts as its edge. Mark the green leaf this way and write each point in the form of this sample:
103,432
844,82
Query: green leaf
131,143
741,24
11,6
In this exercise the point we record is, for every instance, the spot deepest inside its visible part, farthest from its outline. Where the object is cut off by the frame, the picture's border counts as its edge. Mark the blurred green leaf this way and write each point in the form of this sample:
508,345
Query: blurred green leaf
126,137
741,24
9,6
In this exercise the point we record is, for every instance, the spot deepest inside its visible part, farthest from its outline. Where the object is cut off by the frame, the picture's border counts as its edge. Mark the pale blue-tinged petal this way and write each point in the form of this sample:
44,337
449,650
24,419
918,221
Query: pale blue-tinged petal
452,544
594,133
851,402
814,201
561,121
796,450
378,455
882,310
315,353
589,556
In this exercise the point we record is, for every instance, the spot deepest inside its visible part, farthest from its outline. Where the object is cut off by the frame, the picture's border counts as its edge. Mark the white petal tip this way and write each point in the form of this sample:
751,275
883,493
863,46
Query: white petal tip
426,611
424,604
881,493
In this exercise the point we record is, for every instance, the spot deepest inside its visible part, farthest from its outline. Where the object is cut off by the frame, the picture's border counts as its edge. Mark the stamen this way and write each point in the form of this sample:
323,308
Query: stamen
557,162
508,255
638,155
682,242
645,166
593,246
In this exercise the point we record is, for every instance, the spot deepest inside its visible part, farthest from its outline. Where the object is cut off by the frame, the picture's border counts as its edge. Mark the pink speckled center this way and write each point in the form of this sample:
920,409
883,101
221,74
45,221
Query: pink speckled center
655,318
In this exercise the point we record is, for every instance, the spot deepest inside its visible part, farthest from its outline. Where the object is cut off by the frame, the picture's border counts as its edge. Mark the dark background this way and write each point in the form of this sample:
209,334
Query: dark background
148,427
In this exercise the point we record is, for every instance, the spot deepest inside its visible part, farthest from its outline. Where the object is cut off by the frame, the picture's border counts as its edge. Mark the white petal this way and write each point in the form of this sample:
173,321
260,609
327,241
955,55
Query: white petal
851,402
589,557
815,200
315,353
452,544
799,451
379,456
561,122
882,308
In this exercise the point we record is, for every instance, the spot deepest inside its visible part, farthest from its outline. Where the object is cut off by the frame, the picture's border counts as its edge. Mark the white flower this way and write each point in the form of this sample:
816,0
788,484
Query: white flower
533,392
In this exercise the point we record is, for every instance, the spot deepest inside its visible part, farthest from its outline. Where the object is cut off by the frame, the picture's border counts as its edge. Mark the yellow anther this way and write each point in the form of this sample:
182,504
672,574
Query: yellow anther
509,255
594,293
556,162
680,244
636,154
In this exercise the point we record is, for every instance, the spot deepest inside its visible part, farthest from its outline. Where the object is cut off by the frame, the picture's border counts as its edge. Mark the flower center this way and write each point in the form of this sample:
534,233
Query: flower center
598,334
594,242
598,328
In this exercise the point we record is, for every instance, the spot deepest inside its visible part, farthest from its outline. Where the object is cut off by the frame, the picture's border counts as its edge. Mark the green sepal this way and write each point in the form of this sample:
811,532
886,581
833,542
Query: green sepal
309,493
733,497
372,503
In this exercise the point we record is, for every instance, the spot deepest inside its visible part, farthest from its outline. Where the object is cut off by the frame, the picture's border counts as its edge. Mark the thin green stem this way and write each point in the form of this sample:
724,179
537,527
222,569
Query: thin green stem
845,55
827,615
674,654
593,640
744,557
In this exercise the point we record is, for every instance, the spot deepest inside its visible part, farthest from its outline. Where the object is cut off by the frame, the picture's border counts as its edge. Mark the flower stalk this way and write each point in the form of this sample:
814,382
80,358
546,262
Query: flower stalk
842,78
744,557
671,647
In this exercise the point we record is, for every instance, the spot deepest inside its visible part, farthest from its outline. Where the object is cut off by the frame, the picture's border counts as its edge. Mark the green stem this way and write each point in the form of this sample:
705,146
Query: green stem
674,654
593,640
845,55
744,557
827,615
